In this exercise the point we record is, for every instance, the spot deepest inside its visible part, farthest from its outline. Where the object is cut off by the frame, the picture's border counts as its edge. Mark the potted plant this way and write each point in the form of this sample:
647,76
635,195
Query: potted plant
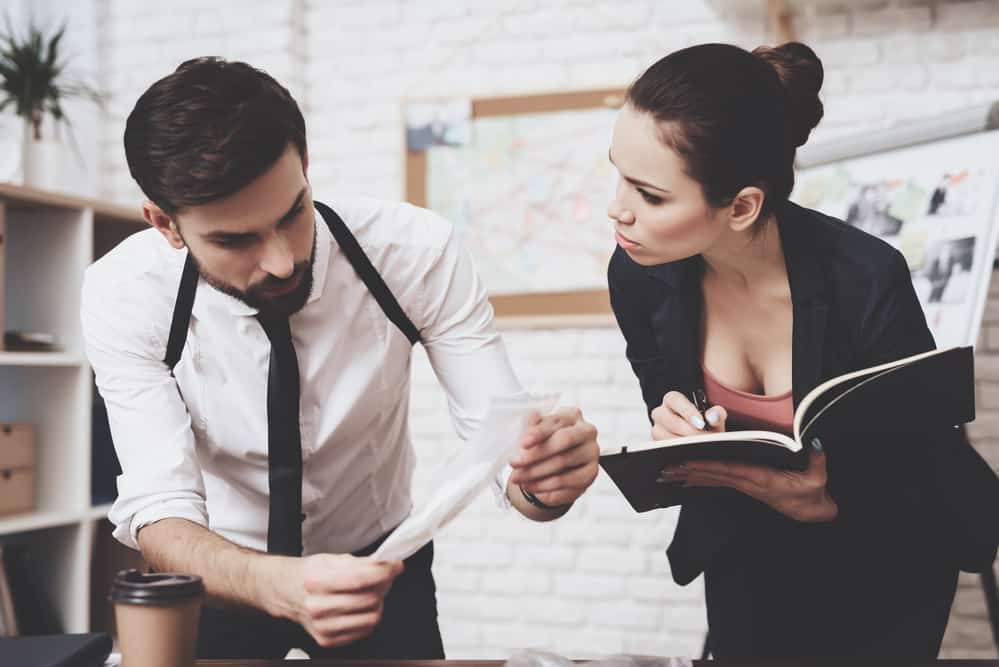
33,82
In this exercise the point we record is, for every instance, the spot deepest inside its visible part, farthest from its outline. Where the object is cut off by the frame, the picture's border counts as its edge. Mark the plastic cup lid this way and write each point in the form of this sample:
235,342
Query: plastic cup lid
137,587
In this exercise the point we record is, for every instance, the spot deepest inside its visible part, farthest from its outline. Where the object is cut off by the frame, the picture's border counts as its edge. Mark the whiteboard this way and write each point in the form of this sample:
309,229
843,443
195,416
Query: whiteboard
936,203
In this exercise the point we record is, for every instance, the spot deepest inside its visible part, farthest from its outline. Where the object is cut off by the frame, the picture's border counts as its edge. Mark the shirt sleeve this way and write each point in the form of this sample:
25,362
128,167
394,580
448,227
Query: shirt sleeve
465,351
150,424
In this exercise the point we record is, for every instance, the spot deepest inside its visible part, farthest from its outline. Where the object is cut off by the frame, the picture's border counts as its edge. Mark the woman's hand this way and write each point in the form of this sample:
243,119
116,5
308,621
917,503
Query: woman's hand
677,417
799,495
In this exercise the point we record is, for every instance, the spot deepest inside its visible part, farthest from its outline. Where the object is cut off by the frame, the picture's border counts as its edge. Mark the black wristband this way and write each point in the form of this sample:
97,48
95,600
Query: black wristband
533,499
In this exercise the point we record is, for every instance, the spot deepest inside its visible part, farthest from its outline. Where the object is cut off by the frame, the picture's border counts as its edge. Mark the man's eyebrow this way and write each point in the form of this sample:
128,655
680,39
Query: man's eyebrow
222,235
229,236
635,181
290,213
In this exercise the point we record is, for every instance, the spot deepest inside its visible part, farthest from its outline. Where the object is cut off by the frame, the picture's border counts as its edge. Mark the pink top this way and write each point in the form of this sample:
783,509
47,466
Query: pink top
751,411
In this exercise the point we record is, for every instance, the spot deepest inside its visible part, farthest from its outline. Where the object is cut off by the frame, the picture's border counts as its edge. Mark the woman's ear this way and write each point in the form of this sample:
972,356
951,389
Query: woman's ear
745,209
165,225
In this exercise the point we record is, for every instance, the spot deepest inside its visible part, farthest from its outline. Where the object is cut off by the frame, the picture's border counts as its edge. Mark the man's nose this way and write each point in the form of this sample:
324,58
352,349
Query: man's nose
278,259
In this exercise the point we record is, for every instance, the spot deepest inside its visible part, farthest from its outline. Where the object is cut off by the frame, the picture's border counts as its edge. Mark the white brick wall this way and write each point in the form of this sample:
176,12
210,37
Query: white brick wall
76,173
505,582
144,40
597,581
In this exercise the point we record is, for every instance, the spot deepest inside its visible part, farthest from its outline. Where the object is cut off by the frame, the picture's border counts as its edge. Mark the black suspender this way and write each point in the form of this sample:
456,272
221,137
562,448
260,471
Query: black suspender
181,313
367,273
351,249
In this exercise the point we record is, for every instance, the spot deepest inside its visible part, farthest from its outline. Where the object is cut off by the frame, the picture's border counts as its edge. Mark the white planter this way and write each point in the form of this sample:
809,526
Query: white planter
42,161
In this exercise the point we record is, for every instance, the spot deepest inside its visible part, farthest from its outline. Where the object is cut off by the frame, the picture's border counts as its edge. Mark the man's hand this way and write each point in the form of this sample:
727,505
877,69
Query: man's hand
557,459
337,598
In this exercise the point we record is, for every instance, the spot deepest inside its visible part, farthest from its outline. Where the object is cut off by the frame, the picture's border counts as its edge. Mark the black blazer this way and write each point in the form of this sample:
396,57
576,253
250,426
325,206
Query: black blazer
853,306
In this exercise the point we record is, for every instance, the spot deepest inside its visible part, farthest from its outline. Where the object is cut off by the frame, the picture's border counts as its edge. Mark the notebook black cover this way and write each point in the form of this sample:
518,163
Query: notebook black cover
930,391
81,650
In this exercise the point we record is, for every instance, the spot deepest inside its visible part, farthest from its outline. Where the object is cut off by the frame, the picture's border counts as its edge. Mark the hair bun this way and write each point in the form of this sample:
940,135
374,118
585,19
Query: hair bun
800,70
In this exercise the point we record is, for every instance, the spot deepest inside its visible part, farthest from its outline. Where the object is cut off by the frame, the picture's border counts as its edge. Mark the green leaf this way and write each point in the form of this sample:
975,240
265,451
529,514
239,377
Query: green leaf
32,76
50,61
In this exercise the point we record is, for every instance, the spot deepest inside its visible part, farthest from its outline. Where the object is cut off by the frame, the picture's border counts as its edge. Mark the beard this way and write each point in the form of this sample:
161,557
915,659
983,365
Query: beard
256,295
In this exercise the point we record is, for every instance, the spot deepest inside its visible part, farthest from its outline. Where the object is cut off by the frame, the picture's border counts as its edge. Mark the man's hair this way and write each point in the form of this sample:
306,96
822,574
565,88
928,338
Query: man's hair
207,130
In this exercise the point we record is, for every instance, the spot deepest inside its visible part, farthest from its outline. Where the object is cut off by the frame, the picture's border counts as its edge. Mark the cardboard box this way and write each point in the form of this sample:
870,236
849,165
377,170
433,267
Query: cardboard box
17,468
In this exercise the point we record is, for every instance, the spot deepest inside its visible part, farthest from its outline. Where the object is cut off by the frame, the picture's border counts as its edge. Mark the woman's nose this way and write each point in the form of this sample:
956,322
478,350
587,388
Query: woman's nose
619,213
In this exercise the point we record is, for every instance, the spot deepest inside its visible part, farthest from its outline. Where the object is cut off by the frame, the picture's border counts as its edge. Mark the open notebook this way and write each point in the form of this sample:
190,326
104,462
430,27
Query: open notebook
931,389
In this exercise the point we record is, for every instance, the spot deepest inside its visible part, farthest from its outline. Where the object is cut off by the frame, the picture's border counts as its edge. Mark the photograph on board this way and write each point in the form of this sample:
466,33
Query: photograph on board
945,276
871,210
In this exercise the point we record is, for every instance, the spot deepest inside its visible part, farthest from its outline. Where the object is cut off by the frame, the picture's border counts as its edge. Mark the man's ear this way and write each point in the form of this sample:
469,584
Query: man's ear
745,209
163,223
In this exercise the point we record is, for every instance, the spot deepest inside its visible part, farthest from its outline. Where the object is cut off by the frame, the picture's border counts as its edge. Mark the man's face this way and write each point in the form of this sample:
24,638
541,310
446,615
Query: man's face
258,245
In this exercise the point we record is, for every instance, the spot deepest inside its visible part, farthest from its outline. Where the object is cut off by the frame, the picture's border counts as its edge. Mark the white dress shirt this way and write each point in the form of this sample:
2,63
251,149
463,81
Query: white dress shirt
194,445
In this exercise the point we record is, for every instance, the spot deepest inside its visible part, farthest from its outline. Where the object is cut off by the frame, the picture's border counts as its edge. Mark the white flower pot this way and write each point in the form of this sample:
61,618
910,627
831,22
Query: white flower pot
42,161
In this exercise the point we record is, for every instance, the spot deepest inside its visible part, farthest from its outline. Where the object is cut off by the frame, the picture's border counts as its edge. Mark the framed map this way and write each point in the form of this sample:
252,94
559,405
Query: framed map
528,196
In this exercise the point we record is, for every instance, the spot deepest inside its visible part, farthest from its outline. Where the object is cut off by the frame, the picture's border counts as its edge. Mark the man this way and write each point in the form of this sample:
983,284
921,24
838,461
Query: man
256,371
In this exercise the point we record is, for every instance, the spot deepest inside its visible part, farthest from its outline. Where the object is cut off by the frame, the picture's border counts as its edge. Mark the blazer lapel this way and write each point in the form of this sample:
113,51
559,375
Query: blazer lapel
806,351
676,323
807,275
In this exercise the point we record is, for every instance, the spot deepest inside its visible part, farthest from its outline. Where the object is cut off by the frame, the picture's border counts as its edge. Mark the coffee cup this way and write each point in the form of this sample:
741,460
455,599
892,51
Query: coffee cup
157,617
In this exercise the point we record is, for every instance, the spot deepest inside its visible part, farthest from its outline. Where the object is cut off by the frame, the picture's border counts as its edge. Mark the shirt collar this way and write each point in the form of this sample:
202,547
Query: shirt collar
320,266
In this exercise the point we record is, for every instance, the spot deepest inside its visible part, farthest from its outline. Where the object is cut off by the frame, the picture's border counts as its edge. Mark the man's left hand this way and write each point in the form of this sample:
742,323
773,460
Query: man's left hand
557,459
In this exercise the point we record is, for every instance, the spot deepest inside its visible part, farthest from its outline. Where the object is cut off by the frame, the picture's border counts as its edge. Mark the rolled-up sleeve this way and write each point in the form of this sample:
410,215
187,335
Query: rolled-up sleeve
150,424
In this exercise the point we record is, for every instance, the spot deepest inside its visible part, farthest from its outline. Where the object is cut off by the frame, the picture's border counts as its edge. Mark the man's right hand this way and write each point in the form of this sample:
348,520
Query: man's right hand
337,598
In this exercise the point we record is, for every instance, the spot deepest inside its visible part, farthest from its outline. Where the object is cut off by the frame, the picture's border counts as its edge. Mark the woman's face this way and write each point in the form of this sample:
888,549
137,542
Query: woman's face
659,212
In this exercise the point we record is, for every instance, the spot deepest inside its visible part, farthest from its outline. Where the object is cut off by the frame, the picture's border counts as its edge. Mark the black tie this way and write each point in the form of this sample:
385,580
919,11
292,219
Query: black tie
284,442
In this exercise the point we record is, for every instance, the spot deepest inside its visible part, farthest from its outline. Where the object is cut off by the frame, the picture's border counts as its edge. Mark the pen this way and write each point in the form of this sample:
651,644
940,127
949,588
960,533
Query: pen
700,400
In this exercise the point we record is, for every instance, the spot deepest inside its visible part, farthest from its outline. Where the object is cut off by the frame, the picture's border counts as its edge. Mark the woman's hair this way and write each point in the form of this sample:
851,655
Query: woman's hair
735,117
208,129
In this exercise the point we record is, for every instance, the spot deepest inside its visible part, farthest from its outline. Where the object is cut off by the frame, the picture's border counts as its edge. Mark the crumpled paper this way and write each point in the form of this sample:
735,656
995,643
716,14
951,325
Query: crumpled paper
472,469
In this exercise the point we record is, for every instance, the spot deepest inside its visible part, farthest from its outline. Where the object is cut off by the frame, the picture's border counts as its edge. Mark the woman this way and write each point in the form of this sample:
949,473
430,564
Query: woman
720,283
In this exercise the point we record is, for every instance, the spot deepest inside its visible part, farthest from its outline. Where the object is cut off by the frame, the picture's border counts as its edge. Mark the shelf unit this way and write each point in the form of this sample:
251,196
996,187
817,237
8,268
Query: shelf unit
47,240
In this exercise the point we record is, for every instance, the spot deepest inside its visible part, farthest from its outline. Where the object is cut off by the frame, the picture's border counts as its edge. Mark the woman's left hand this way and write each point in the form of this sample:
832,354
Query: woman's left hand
799,495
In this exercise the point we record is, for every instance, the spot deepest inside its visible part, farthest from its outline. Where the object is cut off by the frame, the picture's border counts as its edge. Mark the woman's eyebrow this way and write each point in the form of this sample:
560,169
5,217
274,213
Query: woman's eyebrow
635,181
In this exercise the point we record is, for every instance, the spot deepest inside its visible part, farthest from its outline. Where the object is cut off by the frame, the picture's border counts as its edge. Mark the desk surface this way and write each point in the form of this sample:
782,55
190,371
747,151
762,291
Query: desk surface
348,663
319,662
840,662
